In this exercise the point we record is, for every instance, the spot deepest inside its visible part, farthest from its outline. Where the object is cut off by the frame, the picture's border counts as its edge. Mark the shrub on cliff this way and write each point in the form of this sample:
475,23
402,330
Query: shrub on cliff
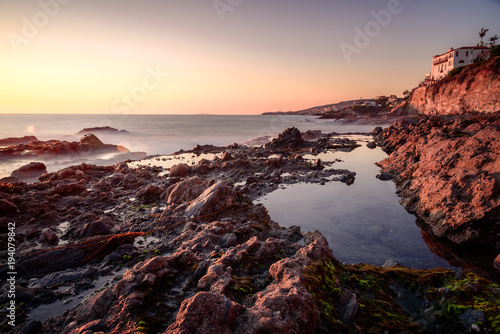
456,71
495,51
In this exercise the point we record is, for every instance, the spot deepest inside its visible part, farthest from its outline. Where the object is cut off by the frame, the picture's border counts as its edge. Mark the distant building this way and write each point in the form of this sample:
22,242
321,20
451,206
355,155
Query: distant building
444,63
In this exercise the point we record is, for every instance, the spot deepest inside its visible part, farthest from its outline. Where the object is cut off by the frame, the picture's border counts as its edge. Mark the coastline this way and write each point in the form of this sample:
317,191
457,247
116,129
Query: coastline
208,245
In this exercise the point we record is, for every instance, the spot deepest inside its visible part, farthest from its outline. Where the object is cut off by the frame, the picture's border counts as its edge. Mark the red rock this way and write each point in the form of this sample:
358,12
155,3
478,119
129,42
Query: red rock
48,236
7,207
212,199
31,170
226,156
206,313
179,170
496,263
150,194
69,189
185,191
291,138
449,181
99,227
90,142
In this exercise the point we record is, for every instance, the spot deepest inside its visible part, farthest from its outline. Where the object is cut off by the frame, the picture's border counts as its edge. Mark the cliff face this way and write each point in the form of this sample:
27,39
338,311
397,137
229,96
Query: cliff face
475,89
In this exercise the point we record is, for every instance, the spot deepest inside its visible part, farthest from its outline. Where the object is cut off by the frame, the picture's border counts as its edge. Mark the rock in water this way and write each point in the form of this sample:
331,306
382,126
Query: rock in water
291,138
102,129
16,141
90,142
48,236
33,170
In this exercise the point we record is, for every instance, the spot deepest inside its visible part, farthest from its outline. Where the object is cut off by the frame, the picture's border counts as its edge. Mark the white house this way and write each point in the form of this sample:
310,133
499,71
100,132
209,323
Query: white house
444,63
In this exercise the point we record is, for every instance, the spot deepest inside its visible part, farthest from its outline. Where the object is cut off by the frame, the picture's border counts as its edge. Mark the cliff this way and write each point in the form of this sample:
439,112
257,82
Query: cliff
474,88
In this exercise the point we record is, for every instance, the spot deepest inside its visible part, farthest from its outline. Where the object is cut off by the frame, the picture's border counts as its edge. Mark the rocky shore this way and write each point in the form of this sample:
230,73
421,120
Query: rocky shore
26,147
190,251
447,170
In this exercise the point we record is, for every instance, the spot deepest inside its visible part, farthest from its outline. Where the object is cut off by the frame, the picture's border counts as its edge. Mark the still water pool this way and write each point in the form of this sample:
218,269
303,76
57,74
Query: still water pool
362,222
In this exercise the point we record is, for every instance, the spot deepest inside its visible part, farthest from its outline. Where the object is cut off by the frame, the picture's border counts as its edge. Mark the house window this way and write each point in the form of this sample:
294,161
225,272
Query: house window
456,55
461,62
449,63
466,53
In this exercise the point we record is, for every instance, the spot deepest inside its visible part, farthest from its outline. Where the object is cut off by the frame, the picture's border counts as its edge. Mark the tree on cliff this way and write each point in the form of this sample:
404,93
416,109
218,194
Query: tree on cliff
482,33
494,39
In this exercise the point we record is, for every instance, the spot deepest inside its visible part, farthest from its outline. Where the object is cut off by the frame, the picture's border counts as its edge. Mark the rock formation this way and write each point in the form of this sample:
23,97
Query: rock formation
475,89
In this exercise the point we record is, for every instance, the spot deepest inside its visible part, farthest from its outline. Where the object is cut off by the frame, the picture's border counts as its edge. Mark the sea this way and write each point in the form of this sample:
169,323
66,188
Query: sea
362,222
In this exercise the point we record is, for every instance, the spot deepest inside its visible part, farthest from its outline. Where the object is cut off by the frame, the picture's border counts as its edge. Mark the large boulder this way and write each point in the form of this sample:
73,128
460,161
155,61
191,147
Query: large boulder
90,142
212,199
33,170
185,191
179,170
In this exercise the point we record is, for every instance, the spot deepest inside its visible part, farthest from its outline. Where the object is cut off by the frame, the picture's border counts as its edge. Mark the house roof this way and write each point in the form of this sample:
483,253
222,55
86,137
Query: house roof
464,47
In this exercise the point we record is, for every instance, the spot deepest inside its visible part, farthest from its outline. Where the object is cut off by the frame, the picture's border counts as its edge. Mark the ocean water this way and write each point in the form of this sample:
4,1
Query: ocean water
153,134
362,222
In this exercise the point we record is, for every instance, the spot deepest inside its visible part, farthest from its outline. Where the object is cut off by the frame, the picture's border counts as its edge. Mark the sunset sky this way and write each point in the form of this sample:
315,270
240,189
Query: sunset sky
222,56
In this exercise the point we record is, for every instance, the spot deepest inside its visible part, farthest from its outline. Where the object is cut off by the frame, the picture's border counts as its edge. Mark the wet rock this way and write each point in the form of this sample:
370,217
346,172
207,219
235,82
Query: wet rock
229,240
377,130
384,176
371,145
99,227
212,199
67,173
450,178
348,306
390,263
31,170
48,236
97,306
496,263
7,207
251,179
470,317
32,327
69,189
348,178
206,313
102,129
17,140
291,138
179,170
226,156
9,179
185,191
90,142
150,193
63,277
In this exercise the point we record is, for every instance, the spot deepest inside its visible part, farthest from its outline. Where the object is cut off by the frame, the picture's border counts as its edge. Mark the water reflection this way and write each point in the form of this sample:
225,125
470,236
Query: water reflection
362,222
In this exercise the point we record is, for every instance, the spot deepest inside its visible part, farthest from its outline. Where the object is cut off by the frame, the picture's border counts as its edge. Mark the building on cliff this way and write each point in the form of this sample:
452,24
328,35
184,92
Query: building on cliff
442,64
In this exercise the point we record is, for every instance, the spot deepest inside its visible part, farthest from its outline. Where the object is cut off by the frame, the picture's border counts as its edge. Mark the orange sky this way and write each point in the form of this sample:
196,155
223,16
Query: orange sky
179,57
